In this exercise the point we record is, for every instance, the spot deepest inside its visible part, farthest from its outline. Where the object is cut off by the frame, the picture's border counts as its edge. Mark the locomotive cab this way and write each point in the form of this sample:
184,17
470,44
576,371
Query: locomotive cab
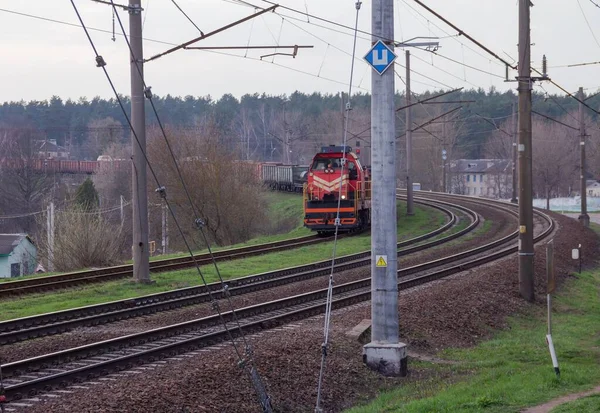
336,177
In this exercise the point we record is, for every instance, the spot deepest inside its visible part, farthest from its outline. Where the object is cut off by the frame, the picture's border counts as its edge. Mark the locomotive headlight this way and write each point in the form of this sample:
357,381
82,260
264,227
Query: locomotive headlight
343,196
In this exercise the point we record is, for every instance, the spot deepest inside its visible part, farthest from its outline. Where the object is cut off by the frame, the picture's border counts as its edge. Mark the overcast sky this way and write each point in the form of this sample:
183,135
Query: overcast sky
41,58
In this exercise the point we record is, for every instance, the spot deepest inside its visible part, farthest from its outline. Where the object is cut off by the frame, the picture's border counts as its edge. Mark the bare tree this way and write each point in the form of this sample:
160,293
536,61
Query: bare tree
226,193
428,144
81,240
23,185
555,157
244,126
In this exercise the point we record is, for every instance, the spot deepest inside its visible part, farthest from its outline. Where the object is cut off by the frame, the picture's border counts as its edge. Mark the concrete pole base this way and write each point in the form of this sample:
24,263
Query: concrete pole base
386,358
585,220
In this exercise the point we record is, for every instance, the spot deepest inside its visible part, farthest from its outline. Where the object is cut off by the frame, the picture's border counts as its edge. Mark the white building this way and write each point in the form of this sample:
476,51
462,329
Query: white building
593,188
18,255
489,178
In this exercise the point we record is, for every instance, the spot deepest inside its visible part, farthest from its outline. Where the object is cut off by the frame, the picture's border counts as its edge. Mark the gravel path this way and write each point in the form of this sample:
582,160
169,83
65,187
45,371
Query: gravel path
456,312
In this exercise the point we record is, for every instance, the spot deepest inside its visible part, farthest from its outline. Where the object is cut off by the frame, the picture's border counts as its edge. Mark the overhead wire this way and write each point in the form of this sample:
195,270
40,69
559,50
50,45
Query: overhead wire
329,301
445,71
65,23
588,23
245,3
102,64
455,37
248,360
187,17
175,44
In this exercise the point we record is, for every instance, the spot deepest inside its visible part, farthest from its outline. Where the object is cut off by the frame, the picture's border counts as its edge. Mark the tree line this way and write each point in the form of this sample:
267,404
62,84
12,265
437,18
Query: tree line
259,126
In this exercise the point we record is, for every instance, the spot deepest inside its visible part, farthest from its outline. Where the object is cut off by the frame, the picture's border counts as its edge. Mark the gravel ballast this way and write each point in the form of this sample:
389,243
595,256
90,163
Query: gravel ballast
459,312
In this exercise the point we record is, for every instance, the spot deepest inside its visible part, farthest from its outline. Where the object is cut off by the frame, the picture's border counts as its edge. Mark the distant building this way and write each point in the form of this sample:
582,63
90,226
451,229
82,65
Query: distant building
18,255
49,149
489,178
593,188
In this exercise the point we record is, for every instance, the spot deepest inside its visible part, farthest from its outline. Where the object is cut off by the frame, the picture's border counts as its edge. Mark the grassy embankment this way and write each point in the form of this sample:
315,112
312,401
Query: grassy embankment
513,370
287,206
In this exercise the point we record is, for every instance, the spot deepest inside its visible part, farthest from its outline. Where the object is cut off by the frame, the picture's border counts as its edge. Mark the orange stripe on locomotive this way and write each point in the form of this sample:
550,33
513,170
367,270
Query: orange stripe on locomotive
336,177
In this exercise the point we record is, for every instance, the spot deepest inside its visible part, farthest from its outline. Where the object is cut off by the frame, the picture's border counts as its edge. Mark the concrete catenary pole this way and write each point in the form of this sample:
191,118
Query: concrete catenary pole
165,228
122,210
514,133
584,218
409,178
384,353
50,230
141,250
444,157
526,250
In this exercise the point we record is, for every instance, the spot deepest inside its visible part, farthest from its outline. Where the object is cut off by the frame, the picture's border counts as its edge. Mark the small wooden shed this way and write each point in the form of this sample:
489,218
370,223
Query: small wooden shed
18,255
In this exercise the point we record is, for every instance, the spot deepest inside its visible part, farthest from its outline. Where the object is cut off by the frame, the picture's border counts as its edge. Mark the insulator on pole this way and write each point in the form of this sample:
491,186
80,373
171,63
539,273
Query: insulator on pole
544,67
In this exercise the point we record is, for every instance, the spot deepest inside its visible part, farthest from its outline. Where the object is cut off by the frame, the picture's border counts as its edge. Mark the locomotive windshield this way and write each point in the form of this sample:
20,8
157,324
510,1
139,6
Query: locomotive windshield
325,163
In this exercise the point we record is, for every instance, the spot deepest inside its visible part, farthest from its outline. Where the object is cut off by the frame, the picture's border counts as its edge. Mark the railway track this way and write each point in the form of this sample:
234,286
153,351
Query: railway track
54,282
26,378
61,321
61,281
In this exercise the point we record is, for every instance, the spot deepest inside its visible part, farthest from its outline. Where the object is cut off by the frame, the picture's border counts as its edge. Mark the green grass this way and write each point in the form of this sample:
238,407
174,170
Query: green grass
595,227
424,220
513,370
586,404
285,216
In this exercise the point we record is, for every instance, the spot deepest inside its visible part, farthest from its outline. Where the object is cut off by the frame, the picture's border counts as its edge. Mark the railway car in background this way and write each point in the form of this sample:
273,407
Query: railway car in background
289,178
336,175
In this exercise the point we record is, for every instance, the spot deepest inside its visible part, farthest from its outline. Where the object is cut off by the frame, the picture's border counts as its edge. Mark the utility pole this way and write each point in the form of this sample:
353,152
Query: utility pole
50,230
122,210
584,218
141,248
409,186
165,228
526,249
428,45
514,154
384,353
444,157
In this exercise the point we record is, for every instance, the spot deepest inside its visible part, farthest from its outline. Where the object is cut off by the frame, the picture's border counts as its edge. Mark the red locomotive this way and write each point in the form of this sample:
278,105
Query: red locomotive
337,175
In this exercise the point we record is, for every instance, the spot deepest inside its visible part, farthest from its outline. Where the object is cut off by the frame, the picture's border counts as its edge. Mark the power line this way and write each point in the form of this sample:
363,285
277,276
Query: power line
445,71
329,301
175,44
559,105
247,362
212,33
554,120
241,2
588,23
187,17
425,76
502,60
47,19
460,32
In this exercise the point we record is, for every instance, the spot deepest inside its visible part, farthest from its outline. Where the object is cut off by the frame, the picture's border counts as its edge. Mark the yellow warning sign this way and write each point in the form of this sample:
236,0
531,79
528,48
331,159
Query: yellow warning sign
381,260
522,229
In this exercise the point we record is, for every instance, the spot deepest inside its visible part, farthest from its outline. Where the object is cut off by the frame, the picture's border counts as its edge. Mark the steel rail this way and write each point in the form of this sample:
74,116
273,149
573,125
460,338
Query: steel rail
61,321
126,352
53,282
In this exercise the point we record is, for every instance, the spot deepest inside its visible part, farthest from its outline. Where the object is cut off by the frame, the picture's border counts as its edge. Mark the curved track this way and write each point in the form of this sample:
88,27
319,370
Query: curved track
27,377
55,282
58,322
